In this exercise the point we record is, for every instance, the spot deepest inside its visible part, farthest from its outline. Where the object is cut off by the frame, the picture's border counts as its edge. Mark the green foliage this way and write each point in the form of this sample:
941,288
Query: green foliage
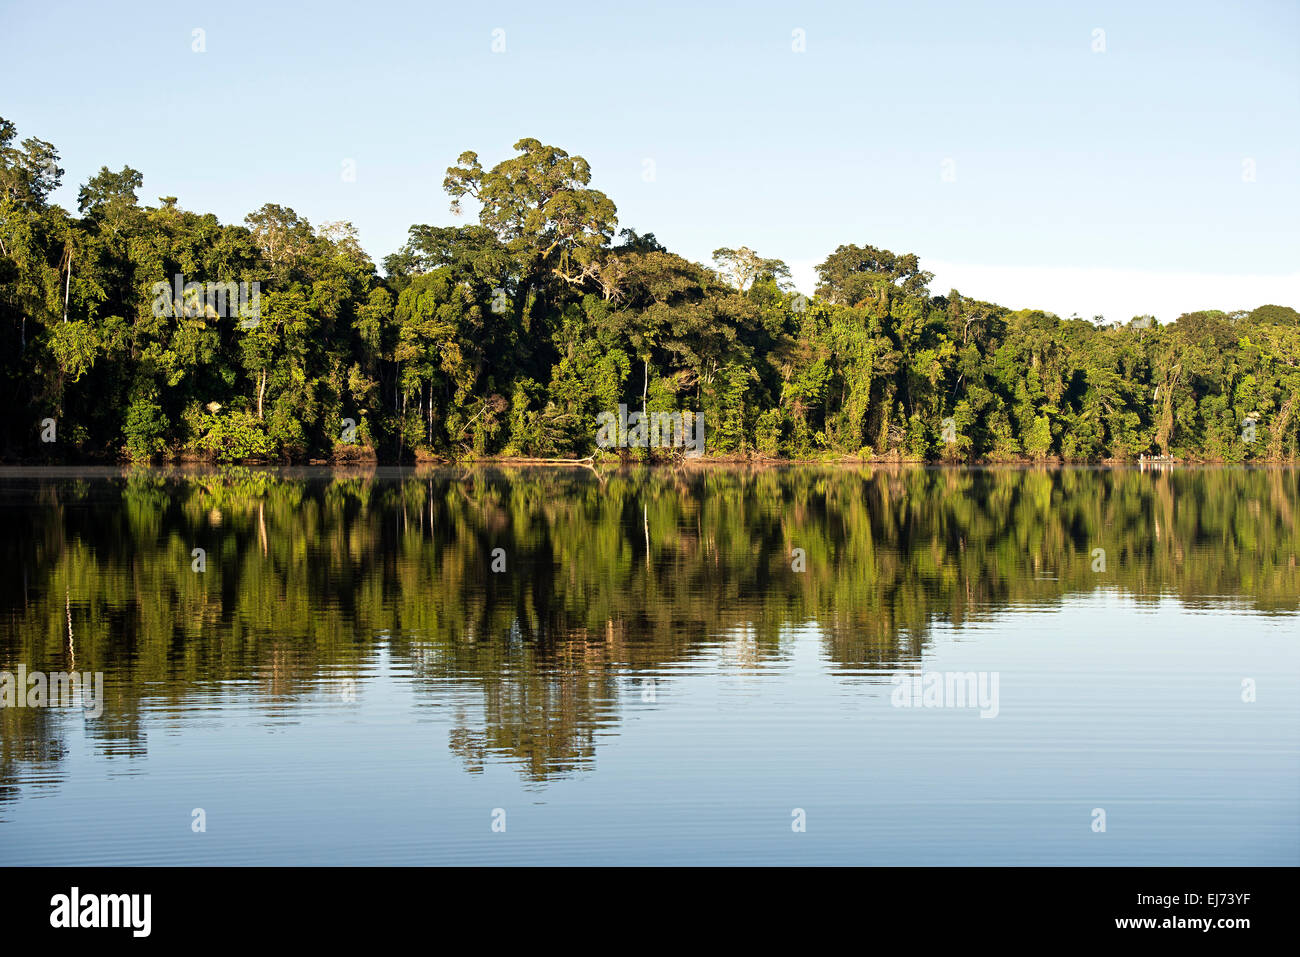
74,345
509,336
1038,437
235,436
769,433
146,427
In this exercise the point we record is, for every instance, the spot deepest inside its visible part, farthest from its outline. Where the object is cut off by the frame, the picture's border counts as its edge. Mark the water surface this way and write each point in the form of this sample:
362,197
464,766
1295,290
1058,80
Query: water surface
648,678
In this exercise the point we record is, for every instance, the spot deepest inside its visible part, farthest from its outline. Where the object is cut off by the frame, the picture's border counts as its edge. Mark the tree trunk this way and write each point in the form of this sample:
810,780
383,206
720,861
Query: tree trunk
67,287
1278,432
1165,432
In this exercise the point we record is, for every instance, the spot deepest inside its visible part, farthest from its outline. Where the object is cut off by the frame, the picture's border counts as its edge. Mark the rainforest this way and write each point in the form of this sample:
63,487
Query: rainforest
509,337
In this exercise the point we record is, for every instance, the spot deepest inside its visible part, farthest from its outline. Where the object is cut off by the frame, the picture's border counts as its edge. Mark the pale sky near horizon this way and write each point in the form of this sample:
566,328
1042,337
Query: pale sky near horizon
1026,157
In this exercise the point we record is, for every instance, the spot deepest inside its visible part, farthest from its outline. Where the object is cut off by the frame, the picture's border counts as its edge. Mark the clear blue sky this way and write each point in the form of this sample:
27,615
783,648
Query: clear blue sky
1064,158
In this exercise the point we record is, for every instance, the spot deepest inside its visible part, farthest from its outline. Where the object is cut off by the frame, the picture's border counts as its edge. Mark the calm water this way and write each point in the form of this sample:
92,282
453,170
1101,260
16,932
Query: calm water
649,679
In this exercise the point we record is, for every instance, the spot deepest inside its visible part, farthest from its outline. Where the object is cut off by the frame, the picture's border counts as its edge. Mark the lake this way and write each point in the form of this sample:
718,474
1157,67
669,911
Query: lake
710,665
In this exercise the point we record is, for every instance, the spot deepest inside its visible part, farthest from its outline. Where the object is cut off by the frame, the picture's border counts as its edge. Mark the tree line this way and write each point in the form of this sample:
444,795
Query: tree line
510,337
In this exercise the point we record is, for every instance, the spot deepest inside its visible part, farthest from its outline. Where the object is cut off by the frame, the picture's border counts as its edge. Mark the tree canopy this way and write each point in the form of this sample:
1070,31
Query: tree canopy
509,336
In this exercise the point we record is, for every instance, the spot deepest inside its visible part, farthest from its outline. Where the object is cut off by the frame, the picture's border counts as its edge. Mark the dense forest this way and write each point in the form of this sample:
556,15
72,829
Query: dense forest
510,337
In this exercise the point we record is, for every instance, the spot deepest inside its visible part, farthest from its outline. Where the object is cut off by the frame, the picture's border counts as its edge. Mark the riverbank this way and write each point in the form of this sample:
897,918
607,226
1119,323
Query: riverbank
612,462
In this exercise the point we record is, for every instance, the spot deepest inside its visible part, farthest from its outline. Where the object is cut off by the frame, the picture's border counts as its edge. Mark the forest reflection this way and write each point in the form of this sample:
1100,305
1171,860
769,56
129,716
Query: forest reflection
608,578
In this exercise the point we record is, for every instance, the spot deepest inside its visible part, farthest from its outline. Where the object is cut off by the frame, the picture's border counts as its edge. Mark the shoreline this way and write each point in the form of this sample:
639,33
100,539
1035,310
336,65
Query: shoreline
703,463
